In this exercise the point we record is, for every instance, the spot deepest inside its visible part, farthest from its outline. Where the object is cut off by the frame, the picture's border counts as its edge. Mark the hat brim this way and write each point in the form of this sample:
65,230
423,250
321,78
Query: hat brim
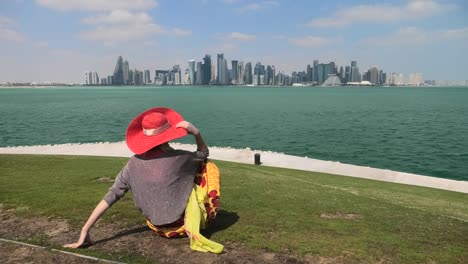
138,143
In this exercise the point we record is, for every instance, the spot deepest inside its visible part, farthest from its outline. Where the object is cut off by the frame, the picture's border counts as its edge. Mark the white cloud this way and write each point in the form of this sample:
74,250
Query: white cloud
181,32
7,33
454,33
382,13
258,6
97,5
224,47
119,17
5,21
311,41
237,36
111,34
414,36
404,36
120,26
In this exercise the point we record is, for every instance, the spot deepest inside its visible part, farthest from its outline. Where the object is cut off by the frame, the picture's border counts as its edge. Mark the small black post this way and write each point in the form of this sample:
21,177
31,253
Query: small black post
257,159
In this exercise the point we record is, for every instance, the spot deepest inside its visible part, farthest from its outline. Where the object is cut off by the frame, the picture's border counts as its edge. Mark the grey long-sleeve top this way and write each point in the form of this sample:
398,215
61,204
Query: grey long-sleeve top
160,186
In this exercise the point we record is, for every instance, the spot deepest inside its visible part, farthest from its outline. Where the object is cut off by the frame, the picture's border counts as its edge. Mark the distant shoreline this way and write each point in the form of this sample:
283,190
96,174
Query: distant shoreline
203,86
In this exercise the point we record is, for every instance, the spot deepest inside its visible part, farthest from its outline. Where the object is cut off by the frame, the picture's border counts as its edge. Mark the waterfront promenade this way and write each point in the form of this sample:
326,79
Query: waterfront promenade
268,158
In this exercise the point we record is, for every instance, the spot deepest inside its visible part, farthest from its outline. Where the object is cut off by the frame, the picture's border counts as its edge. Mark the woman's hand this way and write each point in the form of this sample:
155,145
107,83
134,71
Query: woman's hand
191,129
84,240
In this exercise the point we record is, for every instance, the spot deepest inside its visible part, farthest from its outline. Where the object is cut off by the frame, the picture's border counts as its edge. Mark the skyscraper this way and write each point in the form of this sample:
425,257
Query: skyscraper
199,74
248,73
206,69
131,77
224,72
259,70
87,78
219,63
95,78
315,72
191,68
177,75
355,75
240,72
147,77
319,70
310,76
273,71
126,70
382,77
235,73
138,77
341,74
347,74
373,76
268,75
118,77
328,69
213,74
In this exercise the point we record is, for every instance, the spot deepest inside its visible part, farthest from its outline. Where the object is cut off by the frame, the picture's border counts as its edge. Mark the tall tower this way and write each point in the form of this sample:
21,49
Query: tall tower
213,74
219,62
273,72
235,73
87,79
248,73
240,73
206,69
118,77
315,71
199,78
373,76
126,69
224,71
191,65
268,75
355,75
309,73
341,74
147,78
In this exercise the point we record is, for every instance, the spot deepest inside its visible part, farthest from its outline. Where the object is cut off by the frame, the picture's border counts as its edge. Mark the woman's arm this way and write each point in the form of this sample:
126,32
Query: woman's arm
84,235
191,129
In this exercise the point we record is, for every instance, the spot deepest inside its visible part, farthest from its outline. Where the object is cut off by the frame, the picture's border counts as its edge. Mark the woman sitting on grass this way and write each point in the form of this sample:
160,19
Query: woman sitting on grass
162,180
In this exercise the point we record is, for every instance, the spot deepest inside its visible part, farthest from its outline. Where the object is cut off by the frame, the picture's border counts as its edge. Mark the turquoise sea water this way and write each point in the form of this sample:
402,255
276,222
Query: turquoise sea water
417,130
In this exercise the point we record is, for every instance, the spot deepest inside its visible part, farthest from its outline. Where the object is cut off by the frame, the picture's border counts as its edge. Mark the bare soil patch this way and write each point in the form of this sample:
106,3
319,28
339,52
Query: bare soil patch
135,240
339,215
104,180
13,253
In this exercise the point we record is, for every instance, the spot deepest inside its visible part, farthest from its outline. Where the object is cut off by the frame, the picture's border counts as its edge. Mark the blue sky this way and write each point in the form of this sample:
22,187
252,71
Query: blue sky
57,40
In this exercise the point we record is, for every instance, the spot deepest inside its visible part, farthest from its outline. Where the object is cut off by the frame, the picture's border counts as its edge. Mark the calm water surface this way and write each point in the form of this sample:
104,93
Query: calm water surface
417,130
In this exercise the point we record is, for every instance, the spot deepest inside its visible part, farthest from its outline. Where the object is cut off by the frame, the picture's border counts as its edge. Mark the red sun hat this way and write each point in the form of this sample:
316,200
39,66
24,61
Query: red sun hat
153,127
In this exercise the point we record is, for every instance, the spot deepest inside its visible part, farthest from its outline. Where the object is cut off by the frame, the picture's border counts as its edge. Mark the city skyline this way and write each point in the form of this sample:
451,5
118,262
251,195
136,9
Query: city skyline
53,40
207,73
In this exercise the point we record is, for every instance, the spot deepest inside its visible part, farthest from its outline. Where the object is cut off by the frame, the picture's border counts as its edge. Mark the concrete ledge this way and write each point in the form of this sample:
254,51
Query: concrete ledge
119,149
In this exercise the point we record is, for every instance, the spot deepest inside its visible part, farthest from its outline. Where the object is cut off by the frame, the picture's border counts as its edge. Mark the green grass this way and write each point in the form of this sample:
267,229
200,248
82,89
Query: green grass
279,209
